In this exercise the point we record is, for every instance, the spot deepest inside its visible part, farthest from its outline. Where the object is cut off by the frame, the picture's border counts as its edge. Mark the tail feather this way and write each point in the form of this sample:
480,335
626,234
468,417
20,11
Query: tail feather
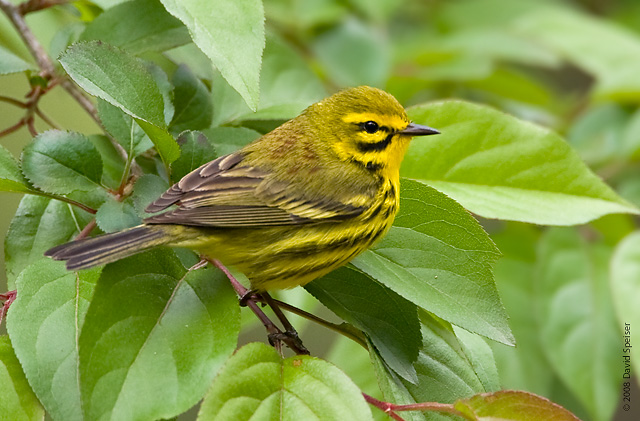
108,248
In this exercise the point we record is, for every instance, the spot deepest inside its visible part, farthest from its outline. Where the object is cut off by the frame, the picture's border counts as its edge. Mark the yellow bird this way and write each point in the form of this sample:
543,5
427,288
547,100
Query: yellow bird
289,207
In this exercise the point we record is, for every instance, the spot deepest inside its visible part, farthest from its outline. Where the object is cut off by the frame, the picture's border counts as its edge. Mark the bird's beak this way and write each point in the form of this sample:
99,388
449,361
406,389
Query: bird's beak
414,129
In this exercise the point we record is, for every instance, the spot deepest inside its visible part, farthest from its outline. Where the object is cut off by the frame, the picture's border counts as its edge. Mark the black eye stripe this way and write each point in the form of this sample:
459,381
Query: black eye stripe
381,145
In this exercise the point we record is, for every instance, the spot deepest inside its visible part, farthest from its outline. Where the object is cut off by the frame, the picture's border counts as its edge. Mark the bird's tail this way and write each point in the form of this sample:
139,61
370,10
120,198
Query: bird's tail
107,248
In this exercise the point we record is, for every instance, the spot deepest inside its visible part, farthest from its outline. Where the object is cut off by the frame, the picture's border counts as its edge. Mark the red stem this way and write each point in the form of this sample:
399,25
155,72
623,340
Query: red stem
390,408
8,297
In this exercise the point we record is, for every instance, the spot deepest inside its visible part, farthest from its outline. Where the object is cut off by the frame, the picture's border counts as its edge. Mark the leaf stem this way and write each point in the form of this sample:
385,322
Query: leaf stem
13,128
8,298
390,408
13,101
64,199
352,334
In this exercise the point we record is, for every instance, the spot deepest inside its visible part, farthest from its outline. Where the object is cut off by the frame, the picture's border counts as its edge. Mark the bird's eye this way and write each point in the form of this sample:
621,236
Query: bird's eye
370,127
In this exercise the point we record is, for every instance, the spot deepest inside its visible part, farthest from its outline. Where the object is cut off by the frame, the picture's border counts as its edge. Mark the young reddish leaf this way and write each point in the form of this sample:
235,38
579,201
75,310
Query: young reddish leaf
512,405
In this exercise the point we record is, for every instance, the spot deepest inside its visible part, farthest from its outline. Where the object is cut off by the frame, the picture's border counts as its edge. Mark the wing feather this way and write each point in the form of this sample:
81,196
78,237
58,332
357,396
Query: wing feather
226,193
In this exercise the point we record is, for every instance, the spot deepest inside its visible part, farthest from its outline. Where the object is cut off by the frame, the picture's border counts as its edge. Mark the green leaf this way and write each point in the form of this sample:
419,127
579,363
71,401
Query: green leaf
117,77
381,10
147,189
608,51
631,137
115,216
11,178
438,257
625,289
575,312
18,402
307,14
388,319
480,357
392,388
62,162
180,326
138,26
192,100
165,87
512,405
494,44
287,86
257,383
229,139
500,167
65,36
598,134
354,54
445,372
231,34
524,367
39,224
195,151
197,61
11,63
112,163
44,324
350,357
165,144
123,128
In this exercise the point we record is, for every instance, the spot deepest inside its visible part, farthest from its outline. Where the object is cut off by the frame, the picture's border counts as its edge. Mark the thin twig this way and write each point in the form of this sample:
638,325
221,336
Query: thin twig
13,101
390,408
81,99
37,5
35,48
13,128
31,126
46,119
86,230
333,326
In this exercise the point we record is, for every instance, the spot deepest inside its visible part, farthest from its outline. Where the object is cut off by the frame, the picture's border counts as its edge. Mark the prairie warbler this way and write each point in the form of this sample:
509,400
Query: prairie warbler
290,207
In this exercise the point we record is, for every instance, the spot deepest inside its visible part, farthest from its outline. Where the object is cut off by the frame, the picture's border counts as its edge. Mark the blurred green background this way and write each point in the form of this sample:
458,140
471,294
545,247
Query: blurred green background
573,66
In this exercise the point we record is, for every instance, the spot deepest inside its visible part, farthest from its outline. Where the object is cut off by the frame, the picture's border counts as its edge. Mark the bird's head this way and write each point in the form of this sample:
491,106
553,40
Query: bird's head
366,125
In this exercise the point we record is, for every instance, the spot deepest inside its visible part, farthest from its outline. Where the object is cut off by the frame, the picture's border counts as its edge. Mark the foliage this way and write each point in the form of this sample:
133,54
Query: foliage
438,304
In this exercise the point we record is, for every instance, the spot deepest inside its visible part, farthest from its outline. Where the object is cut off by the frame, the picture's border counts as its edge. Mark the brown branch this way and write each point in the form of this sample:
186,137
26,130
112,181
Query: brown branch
13,128
46,119
37,5
81,99
349,333
31,126
35,48
13,101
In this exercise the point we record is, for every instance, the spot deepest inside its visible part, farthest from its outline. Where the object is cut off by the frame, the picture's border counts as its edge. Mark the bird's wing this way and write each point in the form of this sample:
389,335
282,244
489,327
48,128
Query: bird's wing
226,193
